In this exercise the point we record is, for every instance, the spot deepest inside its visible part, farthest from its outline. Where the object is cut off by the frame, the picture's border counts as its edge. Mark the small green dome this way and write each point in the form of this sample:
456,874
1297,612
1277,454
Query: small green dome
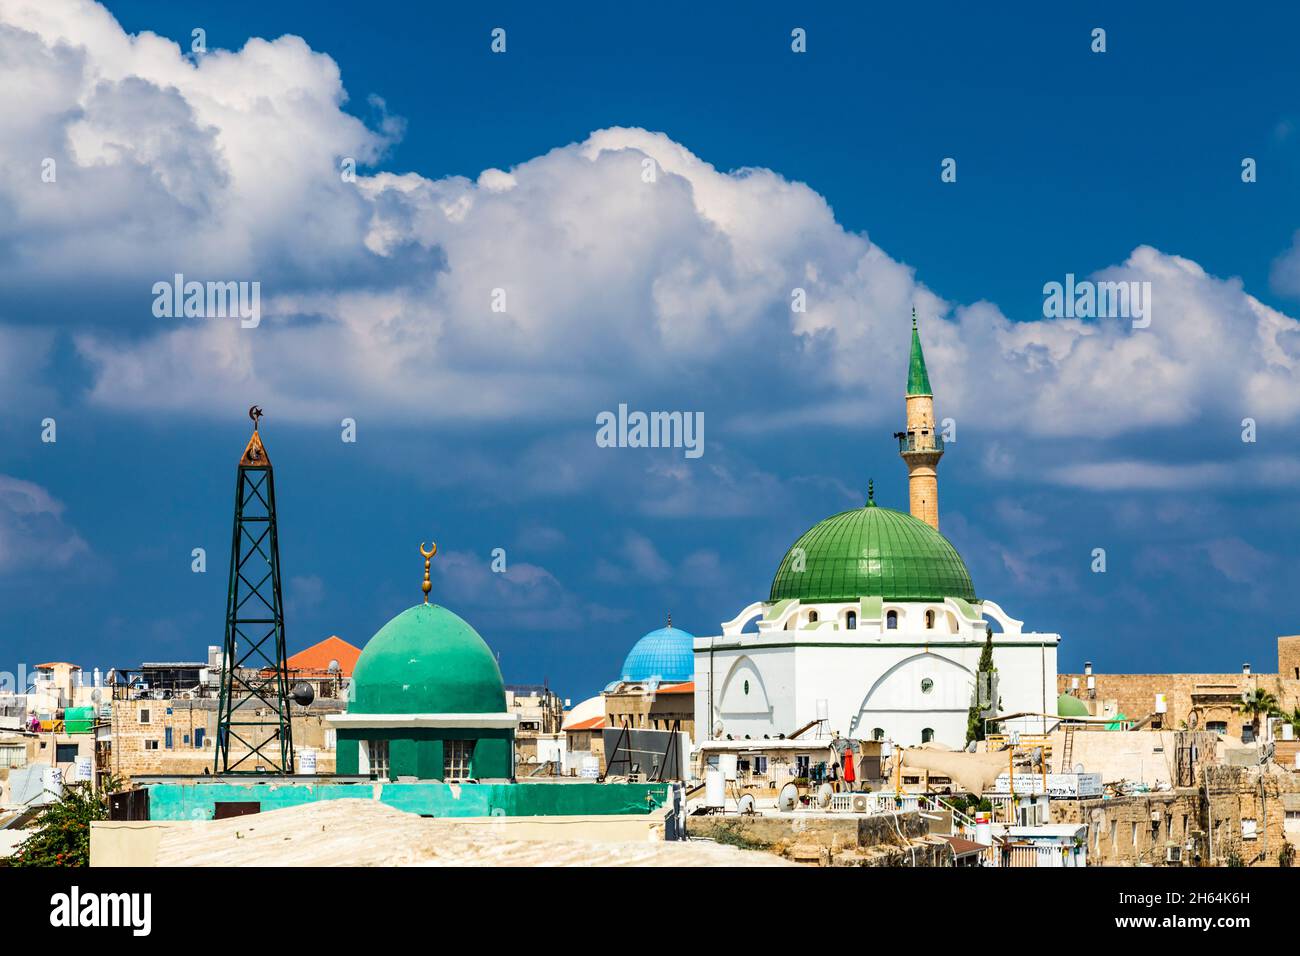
427,660
872,552
1067,705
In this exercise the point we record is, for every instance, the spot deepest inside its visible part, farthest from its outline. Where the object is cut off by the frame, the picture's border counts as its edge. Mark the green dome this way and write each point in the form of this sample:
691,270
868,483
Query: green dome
1067,705
427,660
872,552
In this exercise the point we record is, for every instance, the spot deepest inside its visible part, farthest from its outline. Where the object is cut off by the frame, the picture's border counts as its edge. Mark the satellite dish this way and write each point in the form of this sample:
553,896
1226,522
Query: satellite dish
1078,768
333,667
717,729
788,799
746,804
824,794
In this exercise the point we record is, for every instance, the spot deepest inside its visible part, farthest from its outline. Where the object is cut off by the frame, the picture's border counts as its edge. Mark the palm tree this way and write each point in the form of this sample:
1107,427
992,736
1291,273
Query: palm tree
1292,718
1258,703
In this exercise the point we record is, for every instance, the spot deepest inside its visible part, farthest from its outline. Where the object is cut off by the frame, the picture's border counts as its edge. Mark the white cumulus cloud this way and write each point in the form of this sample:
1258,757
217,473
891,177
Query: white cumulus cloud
378,294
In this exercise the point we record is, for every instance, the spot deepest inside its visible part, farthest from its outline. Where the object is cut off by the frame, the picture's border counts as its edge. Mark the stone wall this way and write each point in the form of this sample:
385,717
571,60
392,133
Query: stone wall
1193,700
836,839
1138,830
140,736
1288,657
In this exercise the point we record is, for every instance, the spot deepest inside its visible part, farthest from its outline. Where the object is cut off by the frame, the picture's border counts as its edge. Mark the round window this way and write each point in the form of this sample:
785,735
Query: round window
927,685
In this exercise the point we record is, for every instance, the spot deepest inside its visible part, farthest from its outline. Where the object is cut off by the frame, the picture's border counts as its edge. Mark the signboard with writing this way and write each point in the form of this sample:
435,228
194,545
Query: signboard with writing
1062,785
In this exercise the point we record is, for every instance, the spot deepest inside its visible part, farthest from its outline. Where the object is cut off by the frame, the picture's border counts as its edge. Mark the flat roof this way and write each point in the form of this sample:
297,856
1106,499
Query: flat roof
174,664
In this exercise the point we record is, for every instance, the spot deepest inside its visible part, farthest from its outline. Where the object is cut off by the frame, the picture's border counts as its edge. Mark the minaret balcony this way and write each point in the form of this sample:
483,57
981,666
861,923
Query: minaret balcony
917,443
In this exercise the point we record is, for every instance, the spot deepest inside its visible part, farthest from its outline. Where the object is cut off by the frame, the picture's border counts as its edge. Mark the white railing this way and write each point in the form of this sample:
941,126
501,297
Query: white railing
876,803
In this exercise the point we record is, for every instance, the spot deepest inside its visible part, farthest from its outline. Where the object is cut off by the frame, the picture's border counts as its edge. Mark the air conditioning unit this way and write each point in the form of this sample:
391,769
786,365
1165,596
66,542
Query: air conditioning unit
1173,853
860,803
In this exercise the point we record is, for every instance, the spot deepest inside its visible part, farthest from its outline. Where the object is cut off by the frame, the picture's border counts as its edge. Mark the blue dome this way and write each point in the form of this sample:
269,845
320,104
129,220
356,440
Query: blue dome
664,655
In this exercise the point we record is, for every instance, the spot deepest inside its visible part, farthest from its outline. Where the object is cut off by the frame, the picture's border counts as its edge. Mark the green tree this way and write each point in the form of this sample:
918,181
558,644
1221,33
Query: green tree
61,836
1257,704
986,680
1292,718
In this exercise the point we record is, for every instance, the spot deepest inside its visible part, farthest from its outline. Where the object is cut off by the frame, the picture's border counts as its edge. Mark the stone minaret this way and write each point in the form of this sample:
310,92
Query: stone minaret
920,446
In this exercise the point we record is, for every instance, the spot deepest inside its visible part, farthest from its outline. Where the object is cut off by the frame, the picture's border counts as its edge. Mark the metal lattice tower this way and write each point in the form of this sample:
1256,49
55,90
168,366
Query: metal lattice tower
253,724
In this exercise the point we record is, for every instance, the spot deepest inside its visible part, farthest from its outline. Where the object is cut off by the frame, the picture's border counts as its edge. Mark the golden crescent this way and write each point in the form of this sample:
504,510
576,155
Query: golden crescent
430,553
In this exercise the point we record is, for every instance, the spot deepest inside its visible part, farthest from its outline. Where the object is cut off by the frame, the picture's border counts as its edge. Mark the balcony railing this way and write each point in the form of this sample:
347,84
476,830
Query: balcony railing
916,442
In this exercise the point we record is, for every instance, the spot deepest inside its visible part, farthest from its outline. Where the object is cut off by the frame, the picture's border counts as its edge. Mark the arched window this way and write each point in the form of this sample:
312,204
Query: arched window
851,620
929,620
891,620
927,734
812,617
878,733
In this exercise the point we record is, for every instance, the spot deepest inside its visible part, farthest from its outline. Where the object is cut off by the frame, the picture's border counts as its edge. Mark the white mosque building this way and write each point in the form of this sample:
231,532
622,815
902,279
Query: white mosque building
872,628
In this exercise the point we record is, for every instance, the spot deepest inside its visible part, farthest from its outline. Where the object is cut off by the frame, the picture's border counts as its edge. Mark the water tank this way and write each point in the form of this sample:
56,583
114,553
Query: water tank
52,782
715,789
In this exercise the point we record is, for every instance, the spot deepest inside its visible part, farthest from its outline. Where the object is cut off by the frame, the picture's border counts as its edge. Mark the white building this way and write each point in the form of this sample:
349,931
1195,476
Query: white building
872,628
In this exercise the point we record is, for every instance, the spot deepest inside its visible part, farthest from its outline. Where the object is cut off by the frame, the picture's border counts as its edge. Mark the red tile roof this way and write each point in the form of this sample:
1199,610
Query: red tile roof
961,846
686,688
595,723
316,659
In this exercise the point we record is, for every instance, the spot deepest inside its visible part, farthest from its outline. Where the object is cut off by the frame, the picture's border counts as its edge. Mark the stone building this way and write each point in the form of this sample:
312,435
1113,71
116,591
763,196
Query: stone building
540,714
647,706
25,756
162,737
1208,702
1245,816
655,690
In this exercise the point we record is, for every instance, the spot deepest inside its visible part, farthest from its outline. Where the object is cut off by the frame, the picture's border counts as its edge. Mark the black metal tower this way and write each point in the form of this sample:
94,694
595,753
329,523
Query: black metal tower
254,734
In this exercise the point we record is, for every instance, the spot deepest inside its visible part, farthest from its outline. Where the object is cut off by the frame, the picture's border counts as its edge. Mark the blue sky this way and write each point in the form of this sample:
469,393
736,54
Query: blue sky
479,434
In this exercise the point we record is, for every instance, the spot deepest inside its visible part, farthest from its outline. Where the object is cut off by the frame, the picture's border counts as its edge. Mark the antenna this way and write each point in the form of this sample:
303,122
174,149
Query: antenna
253,709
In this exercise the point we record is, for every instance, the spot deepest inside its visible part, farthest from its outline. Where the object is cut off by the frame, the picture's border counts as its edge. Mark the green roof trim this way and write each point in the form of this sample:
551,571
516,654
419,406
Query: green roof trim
777,609
871,552
918,380
967,611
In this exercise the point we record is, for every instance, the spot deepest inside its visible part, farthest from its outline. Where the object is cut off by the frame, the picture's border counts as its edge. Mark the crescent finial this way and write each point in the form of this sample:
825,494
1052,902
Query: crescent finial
427,586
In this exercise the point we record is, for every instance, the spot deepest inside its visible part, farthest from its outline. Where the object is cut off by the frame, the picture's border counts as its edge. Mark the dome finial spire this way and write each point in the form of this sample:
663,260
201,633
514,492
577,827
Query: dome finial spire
871,492
913,318
670,620
427,586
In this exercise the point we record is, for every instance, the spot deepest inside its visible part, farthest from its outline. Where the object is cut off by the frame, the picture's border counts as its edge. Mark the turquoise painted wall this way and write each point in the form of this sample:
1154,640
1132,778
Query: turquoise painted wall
194,801
417,752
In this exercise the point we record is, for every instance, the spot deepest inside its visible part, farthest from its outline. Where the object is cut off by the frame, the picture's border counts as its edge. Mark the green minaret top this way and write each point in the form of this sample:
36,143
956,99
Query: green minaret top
918,381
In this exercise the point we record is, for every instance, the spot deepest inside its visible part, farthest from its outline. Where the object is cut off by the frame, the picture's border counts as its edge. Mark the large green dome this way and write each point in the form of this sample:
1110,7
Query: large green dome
427,660
872,552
